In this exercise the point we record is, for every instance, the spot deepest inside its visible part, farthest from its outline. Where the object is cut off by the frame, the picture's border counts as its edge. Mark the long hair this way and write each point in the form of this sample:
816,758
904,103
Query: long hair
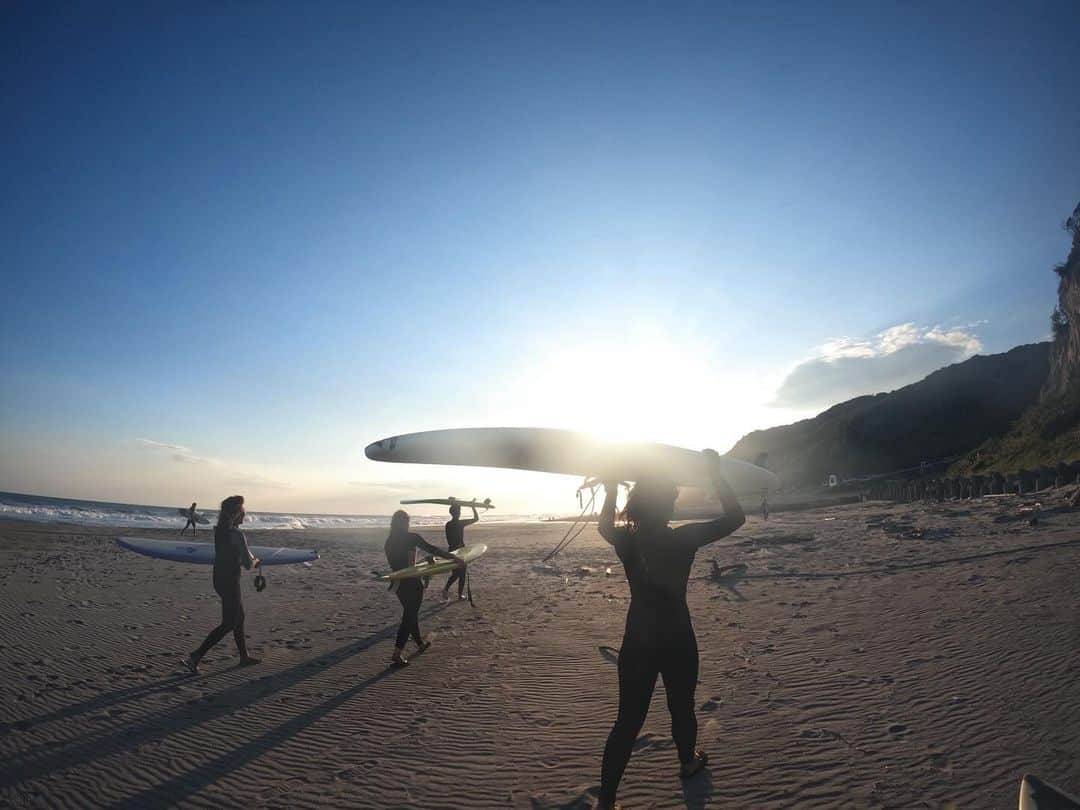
399,522
230,510
652,501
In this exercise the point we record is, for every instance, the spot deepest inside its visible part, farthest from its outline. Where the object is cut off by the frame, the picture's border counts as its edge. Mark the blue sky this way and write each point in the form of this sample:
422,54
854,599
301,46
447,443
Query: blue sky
269,235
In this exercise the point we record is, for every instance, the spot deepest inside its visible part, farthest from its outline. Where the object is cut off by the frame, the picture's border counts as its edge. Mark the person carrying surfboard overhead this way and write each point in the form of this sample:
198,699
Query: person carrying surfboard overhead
455,539
230,553
400,551
659,637
190,521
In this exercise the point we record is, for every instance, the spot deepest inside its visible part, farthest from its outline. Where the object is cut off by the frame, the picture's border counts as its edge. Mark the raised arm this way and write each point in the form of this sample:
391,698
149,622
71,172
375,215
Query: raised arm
475,518
607,513
701,534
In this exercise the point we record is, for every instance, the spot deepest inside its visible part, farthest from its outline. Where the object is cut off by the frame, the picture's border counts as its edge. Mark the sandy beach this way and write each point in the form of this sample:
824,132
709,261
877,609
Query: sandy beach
871,655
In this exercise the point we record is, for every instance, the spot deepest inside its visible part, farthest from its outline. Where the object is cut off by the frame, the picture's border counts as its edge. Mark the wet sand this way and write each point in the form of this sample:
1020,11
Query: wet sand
871,655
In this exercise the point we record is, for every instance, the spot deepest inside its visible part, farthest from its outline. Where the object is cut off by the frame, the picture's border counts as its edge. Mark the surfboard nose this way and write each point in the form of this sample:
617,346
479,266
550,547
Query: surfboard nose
380,450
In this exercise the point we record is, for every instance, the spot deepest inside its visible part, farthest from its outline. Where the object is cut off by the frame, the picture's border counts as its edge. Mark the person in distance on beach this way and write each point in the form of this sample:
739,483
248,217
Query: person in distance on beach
455,539
400,551
190,521
659,637
230,553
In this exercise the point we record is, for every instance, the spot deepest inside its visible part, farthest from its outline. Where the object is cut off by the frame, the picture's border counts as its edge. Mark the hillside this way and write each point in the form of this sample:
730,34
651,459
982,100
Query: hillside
948,413
1047,433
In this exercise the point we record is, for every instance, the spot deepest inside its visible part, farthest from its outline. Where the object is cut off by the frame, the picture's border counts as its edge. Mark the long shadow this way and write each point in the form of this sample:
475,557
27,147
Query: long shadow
106,700
55,757
178,788
727,577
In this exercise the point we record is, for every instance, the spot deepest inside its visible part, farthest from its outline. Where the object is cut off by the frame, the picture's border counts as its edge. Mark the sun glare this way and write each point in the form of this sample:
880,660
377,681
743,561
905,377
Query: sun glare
649,389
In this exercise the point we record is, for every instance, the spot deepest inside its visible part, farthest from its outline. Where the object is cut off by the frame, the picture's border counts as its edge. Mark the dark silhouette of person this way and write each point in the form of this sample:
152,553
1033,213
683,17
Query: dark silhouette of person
231,552
659,637
190,520
455,539
400,550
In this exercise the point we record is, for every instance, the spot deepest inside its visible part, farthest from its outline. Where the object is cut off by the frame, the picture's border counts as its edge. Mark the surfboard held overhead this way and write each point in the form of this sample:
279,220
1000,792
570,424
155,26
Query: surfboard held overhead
567,452
451,501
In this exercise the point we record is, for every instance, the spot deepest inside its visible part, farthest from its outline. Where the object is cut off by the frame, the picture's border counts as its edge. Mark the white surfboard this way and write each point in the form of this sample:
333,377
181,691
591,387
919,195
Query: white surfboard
437,565
485,504
569,453
203,553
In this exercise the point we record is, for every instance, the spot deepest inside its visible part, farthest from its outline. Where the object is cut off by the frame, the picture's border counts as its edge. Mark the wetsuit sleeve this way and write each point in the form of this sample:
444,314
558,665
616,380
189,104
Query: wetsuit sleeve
701,534
474,519
243,552
430,549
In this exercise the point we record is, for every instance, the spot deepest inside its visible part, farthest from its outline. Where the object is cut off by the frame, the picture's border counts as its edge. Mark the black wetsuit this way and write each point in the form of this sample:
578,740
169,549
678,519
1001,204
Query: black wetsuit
659,640
455,539
231,553
401,553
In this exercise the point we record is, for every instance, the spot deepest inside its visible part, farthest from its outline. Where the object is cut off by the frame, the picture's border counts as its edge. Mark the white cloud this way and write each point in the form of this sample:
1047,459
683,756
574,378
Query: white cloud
162,445
844,368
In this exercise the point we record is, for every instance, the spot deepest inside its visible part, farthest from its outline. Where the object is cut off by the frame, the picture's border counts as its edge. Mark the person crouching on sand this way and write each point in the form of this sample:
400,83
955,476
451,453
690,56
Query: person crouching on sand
400,550
659,637
230,553
455,539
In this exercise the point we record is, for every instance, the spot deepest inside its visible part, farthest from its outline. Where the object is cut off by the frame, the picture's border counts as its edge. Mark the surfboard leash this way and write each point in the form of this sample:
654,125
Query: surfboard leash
579,523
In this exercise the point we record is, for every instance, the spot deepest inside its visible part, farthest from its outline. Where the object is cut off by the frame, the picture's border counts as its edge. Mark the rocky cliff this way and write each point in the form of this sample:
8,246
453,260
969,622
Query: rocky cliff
1049,431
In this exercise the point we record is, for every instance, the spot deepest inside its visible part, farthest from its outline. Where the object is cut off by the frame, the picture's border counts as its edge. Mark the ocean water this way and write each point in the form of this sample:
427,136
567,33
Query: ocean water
41,509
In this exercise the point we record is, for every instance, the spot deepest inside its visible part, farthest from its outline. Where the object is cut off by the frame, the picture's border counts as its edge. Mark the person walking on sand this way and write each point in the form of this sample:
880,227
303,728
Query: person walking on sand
455,539
230,553
190,521
400,551
659,637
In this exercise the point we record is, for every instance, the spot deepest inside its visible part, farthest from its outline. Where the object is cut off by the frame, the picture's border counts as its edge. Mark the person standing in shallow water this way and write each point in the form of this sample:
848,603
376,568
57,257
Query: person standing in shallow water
190,520
400,548
659,637
455,539
231,552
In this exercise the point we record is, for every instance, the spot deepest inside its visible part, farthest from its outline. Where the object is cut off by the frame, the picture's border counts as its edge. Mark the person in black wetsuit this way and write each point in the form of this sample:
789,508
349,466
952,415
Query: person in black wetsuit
455,539
400,550
230,553
190,521
659,637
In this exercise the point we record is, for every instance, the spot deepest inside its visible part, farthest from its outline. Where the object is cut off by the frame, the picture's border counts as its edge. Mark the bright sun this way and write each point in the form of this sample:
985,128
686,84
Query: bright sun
649,389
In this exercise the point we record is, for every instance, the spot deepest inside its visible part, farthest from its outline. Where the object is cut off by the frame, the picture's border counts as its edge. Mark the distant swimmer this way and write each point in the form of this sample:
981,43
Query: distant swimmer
400,550
190,521
230,553
659,637
455,539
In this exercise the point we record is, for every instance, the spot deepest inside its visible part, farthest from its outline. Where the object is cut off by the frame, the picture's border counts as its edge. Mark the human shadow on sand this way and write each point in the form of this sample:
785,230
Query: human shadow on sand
727,576
109,699
54,757
182,785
